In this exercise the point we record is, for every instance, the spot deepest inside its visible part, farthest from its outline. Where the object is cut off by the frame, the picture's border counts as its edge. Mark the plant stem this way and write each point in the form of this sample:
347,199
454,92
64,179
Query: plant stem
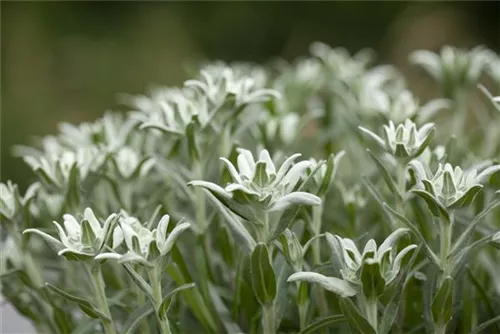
317,213
100,293
157,296
445,244
141,299
440,328
268,318
371,312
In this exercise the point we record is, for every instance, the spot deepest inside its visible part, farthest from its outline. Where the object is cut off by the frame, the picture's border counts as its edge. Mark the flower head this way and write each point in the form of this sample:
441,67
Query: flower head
143,245
261,183
55,171
404,141
369,271
82,239
453,68
448,187
11,201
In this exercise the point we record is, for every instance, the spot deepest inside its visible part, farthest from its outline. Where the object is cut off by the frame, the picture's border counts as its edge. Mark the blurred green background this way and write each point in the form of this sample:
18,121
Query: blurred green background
68,61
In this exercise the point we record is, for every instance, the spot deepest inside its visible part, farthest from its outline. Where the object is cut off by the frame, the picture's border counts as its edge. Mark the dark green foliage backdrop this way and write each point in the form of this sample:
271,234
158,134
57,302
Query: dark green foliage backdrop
67,61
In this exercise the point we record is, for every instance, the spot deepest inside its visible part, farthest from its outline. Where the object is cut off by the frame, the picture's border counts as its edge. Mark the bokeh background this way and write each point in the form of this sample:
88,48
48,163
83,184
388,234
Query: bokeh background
68,61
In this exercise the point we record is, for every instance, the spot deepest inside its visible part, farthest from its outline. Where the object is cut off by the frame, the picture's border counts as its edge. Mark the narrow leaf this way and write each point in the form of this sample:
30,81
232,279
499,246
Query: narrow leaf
323,323
263,277
356,321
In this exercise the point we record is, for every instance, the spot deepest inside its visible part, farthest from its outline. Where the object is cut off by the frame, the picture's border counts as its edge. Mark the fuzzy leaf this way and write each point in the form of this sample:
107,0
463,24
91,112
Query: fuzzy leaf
333,284
295,198
356,321
165,304
84,304
263,277
442,305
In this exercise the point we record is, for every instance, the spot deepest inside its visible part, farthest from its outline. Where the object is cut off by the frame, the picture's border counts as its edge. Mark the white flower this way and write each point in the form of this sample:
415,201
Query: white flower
221,82
378,265
261,183
143,245
56,170
10,256
403,141
453,68
79,240
128,163
11,202
449,187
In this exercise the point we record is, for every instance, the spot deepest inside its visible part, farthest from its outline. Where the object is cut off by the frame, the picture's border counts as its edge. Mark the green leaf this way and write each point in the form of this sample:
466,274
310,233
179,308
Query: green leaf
487,298
356,321
333,284
165,304
323,323
372,281
88,236
389,316
331,169
486,324
223,312
62,320
191,140
261,177
464,238
263,277
84,304
239,232
85,327
386,175
434,205
136,317
442,305
194,299
430,254
139,281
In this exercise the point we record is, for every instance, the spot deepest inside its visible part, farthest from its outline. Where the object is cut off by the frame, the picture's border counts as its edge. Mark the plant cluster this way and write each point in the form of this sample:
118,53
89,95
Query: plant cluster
315,196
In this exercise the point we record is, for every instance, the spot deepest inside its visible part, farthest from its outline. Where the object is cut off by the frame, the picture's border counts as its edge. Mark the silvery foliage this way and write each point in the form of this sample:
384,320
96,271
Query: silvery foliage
143,245
10,256
260,184
172,110
448,187
404,141
79,239
12,204
360,269
454,69
313,105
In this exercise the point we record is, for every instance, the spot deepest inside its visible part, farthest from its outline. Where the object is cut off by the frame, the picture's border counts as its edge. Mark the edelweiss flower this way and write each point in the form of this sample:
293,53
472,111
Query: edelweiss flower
453,68
128,163
221,82
11,202
403,141
79,240
449,187
376,265
55,171
260,183
143,245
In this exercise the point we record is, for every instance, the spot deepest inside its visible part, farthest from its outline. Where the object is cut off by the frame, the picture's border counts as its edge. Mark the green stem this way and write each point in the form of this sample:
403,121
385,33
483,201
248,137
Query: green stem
317,213
371,312
141,299
100,293
440,328
157,296
268,318
445,244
